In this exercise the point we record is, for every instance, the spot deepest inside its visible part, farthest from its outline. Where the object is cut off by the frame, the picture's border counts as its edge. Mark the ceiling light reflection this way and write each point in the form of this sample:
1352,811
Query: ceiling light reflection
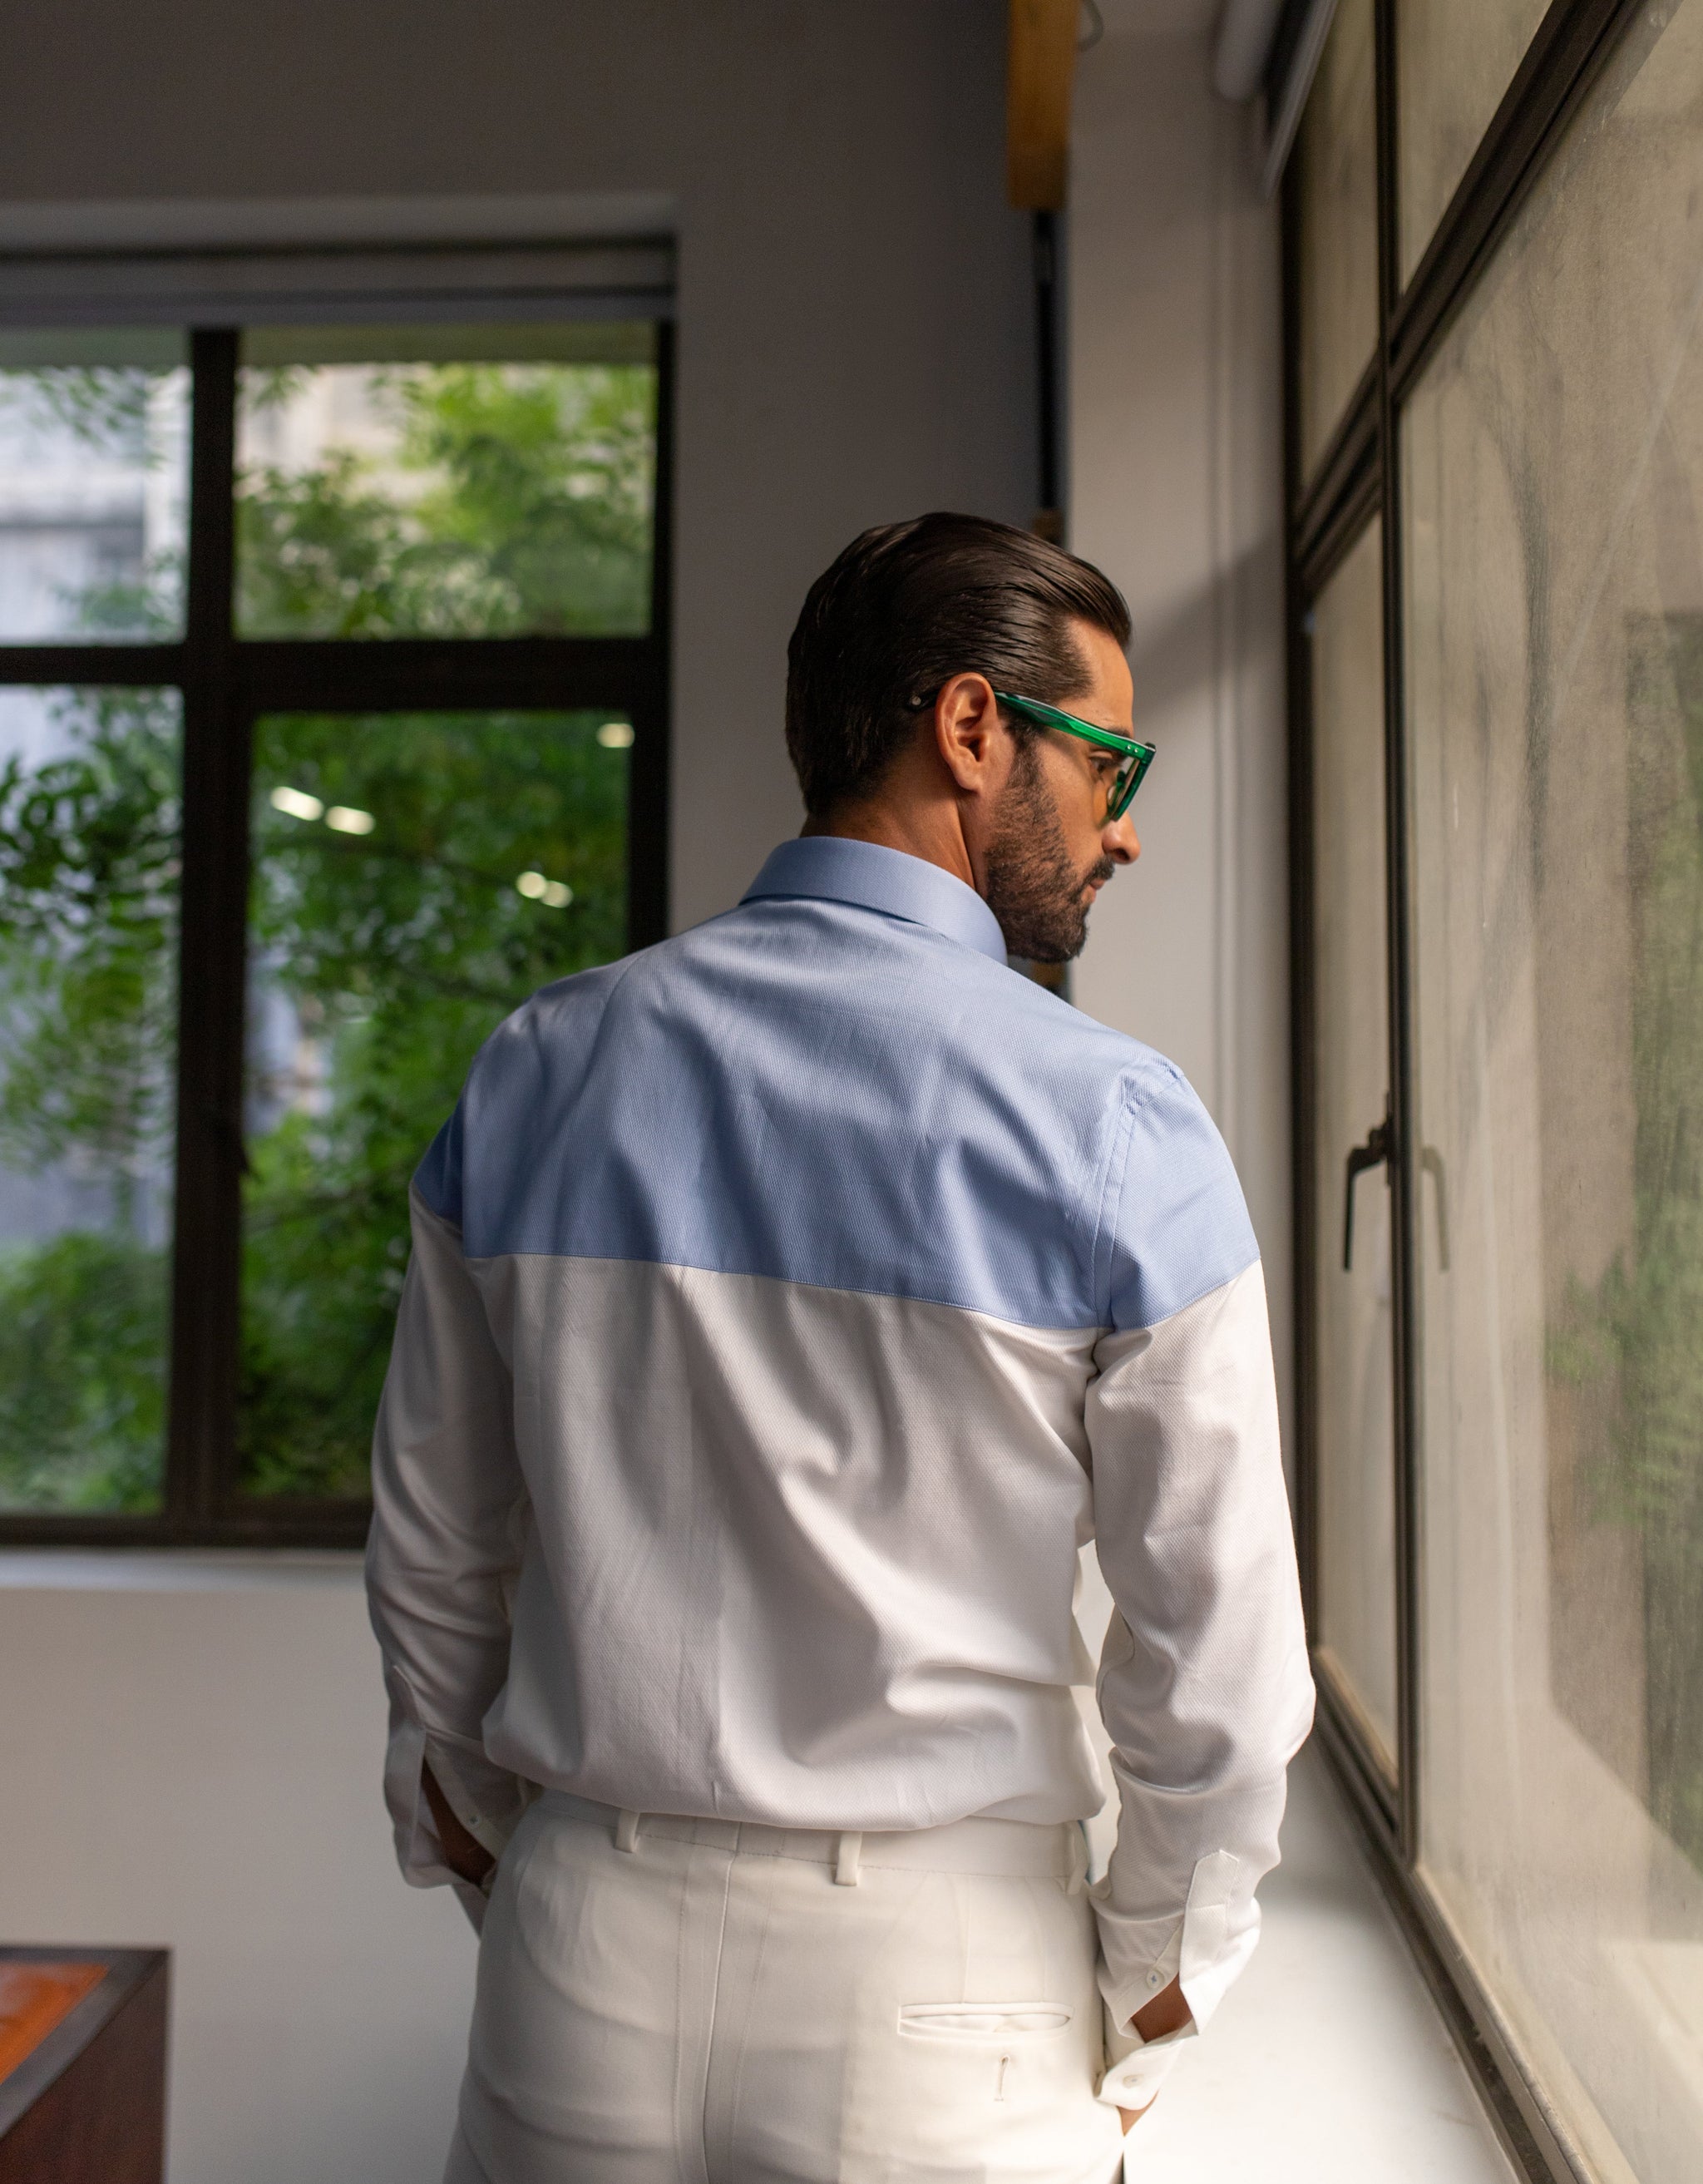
296,803
555,894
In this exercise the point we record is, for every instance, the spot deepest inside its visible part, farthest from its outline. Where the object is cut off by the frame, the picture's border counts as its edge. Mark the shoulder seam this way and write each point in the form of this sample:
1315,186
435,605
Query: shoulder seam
1137,1083
1213,1289
1117,1160
1139,1087
621,966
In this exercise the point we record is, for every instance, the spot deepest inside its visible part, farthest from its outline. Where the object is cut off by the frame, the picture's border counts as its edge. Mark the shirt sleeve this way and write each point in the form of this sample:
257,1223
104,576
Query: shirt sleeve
450,1517
1204,1683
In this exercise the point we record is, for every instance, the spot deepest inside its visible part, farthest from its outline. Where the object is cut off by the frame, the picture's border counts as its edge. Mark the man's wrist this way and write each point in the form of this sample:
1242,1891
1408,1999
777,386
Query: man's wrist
1167,2012
465,1855
1136,2067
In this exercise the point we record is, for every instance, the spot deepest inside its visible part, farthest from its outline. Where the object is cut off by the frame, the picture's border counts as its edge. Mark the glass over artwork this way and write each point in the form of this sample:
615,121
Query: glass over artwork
89,851
416,877
445,481
1554,505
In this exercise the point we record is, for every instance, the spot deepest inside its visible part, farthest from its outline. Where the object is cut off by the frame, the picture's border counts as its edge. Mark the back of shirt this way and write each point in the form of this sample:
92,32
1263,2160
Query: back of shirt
781,1322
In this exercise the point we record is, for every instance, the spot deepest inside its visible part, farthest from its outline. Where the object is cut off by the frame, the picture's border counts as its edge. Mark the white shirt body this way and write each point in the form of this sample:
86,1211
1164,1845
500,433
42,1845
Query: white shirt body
789,1304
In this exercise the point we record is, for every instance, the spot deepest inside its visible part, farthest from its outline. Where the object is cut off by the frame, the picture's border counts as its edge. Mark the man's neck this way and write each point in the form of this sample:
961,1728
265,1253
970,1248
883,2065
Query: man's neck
931,832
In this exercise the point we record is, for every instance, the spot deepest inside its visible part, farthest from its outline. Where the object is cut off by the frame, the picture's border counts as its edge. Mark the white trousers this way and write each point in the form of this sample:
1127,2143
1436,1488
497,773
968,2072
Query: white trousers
666,2001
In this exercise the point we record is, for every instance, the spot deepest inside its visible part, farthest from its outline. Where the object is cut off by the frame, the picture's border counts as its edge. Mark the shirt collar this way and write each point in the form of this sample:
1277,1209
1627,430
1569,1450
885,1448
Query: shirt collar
835,868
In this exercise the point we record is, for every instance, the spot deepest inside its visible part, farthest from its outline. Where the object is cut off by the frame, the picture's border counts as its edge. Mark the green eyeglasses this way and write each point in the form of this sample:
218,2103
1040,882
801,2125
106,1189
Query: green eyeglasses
1136,757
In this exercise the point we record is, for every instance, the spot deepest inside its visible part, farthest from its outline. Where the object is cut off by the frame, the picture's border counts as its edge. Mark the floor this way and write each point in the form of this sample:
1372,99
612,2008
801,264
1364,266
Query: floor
1327,2062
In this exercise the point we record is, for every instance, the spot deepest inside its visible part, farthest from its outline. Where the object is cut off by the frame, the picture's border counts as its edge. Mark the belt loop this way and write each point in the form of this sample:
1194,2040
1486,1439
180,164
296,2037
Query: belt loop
846,1864
626,1831
1079,1860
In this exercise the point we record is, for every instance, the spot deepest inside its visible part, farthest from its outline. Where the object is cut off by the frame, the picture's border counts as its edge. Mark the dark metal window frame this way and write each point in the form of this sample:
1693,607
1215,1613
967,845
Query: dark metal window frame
1358,477
226,683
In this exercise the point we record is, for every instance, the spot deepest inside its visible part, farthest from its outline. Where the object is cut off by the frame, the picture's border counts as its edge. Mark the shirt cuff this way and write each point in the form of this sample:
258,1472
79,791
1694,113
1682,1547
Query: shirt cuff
1202,1952
1137,2068
487,1801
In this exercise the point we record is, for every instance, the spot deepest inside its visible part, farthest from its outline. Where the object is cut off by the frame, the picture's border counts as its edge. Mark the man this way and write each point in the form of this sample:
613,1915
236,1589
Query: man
790,1302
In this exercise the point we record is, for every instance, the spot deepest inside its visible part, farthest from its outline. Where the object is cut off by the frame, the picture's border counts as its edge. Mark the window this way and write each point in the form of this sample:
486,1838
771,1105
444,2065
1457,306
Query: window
1336,190
1456,58
1555,637
332,691
1355,1602
1505,1558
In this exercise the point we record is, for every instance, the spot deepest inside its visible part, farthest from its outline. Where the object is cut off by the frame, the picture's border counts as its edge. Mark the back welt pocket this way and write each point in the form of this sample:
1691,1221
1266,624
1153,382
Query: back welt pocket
985,2021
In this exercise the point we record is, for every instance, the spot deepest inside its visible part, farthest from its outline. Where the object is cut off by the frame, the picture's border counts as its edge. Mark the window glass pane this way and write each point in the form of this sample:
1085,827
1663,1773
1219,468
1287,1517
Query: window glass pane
1554,479
1355,1411
1455,58
1337,156
416,875
88,1037
94,467
446,481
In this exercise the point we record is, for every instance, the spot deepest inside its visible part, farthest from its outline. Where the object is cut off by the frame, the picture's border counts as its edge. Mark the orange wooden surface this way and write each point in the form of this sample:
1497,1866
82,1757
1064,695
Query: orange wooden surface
33,1999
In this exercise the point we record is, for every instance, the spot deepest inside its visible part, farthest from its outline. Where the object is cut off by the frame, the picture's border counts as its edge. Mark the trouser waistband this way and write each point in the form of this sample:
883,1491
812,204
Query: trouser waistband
1050,1850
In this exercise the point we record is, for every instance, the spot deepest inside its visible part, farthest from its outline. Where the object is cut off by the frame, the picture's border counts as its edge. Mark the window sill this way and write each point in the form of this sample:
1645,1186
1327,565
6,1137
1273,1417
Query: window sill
177,1569
1328,2062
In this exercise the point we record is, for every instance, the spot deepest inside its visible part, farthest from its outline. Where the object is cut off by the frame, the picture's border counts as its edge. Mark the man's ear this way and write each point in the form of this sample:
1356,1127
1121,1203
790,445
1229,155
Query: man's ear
971,739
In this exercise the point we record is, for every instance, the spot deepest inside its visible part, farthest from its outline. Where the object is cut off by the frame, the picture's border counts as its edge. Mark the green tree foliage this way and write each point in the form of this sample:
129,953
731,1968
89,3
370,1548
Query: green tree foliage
88,928
517,499
397,952
82,1378
88,914
520,503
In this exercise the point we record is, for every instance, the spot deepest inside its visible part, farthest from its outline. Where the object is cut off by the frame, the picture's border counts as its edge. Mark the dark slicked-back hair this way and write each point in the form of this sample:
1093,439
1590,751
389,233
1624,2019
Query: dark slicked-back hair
907,606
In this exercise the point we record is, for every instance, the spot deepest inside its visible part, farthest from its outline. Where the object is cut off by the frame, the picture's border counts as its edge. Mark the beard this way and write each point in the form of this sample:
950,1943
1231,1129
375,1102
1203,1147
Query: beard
1039,896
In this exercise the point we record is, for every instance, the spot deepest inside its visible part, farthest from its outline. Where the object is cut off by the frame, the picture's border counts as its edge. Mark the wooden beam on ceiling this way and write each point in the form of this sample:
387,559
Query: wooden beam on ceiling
1041,58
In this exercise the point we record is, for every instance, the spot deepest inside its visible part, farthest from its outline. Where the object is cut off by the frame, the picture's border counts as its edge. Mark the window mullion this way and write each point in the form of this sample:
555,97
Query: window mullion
214,885
649,800
1400,1062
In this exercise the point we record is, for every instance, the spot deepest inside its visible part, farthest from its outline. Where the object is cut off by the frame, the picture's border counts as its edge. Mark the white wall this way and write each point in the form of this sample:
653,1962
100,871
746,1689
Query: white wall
855,339
1176,489
191,1752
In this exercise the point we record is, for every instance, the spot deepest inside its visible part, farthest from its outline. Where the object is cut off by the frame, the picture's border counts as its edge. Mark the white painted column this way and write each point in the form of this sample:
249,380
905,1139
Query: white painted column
1176,489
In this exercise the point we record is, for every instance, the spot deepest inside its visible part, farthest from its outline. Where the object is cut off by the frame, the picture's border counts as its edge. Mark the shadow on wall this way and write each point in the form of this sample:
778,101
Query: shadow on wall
1171,657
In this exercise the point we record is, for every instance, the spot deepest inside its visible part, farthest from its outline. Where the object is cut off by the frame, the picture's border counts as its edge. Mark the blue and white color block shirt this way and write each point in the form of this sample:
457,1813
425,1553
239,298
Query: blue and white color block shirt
790,1302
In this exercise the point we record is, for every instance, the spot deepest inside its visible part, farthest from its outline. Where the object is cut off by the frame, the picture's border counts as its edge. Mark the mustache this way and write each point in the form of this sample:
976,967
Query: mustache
1099,872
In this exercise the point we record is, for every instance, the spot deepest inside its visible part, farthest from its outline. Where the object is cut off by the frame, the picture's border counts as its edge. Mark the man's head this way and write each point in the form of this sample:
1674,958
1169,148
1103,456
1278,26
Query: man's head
896,734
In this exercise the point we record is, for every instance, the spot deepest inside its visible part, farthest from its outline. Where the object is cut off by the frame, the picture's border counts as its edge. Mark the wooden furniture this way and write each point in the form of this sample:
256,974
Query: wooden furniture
82,2065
